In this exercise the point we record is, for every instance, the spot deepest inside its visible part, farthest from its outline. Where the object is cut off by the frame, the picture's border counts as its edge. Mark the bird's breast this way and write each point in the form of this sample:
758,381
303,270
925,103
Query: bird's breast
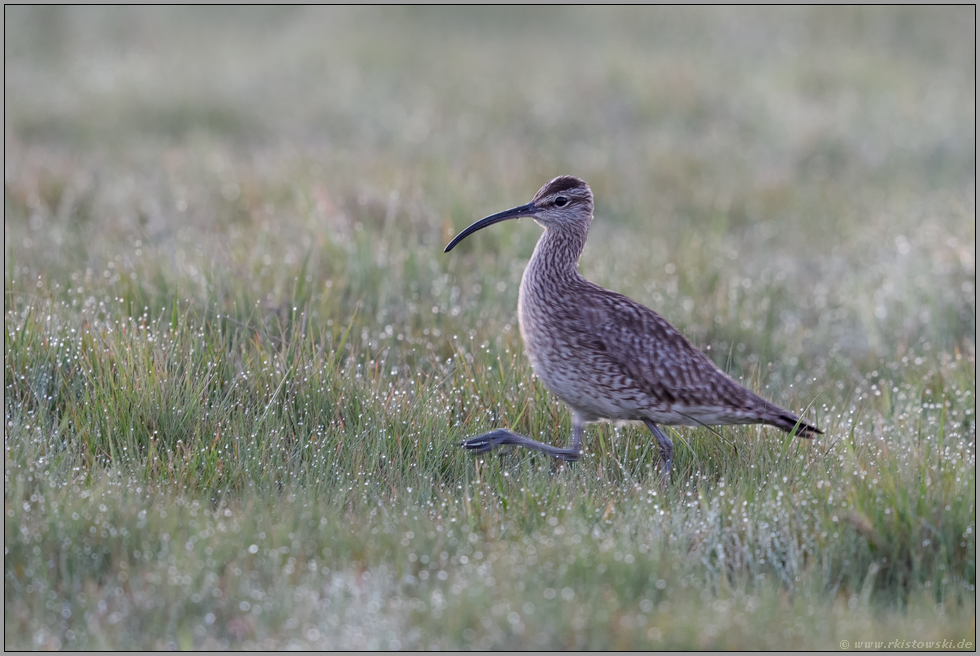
546,315
556,340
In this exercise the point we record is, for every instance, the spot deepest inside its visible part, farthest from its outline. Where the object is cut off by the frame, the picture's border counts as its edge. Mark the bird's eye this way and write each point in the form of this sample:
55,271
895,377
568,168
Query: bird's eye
561,201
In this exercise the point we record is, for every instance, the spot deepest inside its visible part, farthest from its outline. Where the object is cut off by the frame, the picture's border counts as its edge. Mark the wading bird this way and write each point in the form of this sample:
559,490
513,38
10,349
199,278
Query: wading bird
606,356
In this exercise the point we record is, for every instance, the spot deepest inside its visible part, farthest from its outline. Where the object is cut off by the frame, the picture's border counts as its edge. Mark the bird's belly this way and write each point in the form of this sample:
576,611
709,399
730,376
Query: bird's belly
554,342
587,387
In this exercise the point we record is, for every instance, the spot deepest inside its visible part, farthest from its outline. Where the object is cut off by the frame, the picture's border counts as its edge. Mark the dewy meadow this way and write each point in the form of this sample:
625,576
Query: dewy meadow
238,365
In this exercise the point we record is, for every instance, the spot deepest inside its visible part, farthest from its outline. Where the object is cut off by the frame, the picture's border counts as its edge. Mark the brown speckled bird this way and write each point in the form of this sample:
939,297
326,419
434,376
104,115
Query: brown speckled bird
606,356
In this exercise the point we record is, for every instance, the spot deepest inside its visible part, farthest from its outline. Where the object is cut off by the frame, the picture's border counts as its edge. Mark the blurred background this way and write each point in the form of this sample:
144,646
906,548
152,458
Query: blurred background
226,299
804,172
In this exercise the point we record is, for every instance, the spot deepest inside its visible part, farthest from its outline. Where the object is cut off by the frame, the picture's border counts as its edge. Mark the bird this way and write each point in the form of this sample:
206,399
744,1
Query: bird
607,357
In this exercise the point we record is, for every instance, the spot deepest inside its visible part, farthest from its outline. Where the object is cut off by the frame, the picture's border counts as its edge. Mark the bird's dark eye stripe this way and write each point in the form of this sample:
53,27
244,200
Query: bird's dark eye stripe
561,201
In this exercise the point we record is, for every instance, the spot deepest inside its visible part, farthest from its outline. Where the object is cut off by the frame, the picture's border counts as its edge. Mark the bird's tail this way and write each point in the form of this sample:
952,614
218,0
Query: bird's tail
787,421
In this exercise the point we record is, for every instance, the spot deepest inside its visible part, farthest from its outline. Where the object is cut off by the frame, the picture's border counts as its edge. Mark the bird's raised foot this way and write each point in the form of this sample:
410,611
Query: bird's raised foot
503,437
488,441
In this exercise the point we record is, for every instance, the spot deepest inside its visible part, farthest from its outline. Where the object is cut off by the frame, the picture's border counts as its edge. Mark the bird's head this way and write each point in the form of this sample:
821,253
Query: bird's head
563,203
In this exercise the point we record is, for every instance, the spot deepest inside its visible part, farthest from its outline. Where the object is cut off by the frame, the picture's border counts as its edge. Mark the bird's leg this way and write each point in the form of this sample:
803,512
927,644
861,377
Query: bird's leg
503,437
666,449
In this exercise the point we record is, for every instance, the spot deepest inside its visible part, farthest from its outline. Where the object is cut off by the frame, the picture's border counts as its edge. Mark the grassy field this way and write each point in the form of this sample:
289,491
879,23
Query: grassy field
237,362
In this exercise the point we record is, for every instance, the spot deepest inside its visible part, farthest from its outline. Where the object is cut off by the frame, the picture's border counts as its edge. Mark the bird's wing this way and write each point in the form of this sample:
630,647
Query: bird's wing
655,355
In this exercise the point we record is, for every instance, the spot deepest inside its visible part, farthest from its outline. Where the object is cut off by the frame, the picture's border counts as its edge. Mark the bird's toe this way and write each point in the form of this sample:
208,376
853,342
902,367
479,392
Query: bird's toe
478,444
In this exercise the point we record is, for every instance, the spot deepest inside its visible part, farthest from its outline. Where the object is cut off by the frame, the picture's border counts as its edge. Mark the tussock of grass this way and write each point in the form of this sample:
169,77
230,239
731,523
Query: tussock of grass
237,363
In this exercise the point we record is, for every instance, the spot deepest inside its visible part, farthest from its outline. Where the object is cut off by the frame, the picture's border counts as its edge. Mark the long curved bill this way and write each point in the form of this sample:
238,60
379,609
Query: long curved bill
515,213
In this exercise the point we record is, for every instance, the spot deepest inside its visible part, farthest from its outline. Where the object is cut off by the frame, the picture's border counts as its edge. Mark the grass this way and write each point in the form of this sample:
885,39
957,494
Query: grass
237,363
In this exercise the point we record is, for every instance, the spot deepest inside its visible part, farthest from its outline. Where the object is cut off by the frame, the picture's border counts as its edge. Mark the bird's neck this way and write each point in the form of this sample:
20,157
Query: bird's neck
555,258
